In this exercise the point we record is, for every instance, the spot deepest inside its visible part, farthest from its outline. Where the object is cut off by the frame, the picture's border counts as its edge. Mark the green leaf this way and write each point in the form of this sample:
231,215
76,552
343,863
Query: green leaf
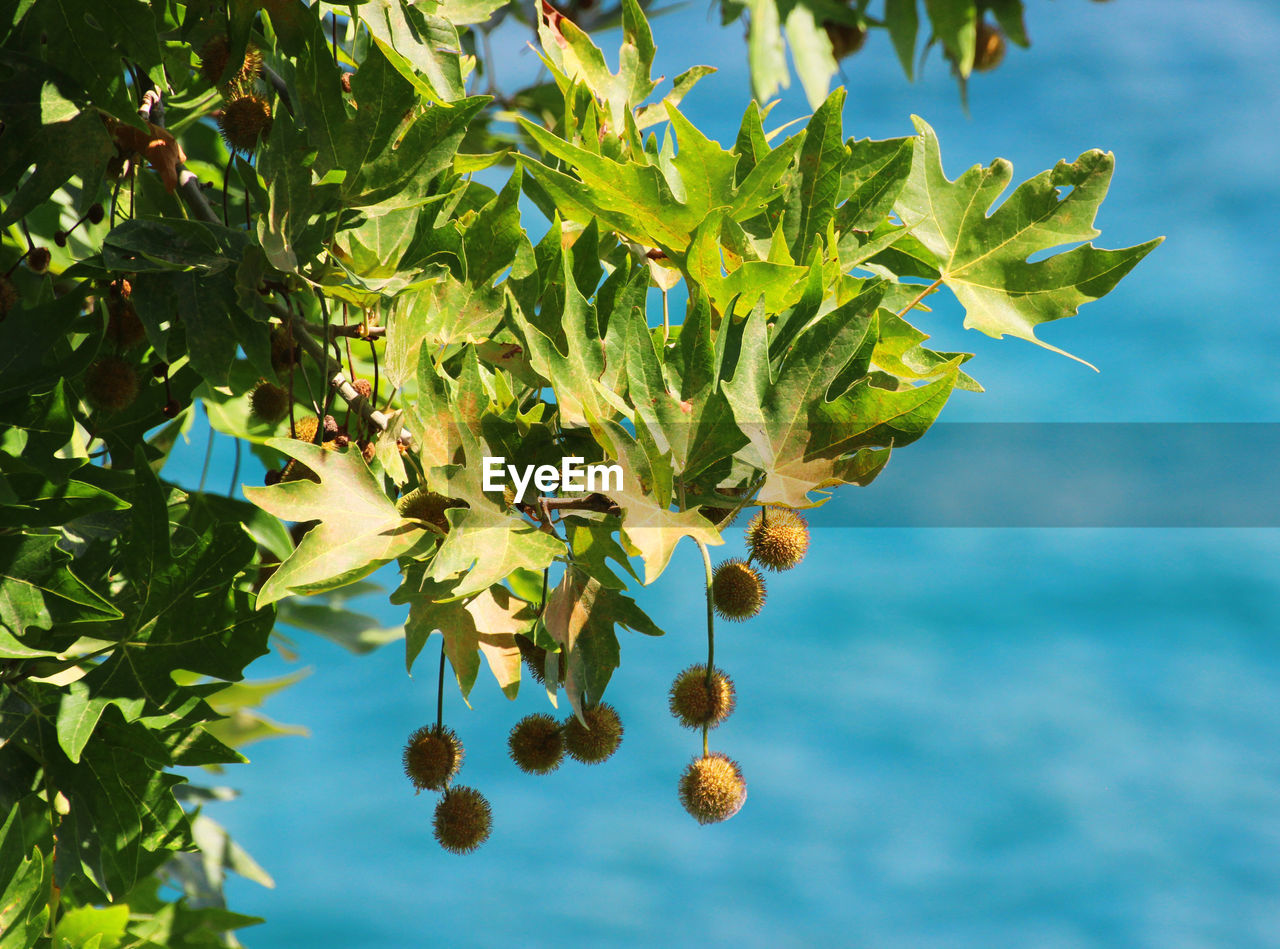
981,254
811,52
38,590
903,22
485,544
765,50
83,927
955,24
581,616
423,49
485,623
359,530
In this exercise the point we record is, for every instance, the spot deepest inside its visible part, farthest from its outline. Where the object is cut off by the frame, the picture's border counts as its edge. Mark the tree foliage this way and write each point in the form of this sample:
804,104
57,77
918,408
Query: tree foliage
335,288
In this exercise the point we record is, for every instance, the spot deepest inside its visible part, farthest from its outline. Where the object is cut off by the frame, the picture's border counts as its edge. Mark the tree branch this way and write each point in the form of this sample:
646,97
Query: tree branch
198,203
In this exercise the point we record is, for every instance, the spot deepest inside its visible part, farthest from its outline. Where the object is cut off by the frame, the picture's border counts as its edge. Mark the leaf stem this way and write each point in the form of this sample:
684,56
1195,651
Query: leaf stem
711,627
920,296
440,688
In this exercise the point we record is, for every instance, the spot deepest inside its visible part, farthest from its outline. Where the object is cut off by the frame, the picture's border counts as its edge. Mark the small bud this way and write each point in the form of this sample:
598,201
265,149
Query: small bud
38,259
60,238
96,214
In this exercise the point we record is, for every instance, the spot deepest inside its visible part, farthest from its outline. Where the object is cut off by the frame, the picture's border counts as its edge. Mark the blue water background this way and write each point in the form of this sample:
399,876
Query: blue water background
953,737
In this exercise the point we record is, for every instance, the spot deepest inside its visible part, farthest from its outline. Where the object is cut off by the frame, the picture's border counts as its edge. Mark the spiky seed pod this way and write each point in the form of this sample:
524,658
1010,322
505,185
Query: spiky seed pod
269,403
421,504
536,744
111,384
123,325
213,58
508,496
778,538
535,659
695,702
362,386
432,756
988,47
244,121
712,788
599,739
38,259
846,39
737,590
284,351
304,430
8,296
463,820
213,63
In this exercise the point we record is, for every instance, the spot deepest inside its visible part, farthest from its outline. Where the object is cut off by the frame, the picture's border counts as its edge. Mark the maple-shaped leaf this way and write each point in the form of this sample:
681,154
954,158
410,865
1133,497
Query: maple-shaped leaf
659,206
650,528
573,56
581,615
817,421
359,530
486,623
487,544
983,257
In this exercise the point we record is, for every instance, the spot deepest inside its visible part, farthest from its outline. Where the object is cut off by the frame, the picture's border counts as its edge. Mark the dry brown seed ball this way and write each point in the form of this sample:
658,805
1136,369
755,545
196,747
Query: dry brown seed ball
111,384
284,352
598,739
695,703
367,451
536,744
712,788
988,48
463,820
244,121
432,756
778,538
8,296
269,403
38,259
213,58
123,326
846,39
737,590
363,388
421,504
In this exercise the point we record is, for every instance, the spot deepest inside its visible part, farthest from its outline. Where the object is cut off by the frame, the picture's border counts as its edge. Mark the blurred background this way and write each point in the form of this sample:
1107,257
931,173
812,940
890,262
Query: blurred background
953,737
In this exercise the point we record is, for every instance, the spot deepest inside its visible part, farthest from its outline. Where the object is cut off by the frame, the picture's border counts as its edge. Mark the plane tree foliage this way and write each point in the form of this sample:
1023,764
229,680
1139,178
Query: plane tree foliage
317,227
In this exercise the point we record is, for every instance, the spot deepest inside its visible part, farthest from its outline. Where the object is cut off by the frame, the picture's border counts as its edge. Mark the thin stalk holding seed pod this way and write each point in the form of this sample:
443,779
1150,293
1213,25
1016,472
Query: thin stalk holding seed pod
711,630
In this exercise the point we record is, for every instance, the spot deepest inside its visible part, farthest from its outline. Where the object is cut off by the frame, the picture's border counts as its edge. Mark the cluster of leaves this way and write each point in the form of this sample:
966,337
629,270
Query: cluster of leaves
972,34
351,264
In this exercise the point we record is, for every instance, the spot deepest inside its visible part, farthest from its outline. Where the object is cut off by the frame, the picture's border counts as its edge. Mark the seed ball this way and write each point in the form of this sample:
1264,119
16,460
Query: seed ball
171,409
213,58
422,504
989,47
737,590
432,756
284,352
331,429
60,238
367,451
305,429
599,739
269,403
712,788
846,39
123,326
346,81
96,214
8,296
244,120
463,820
111,384
38,259
535,659
695,702
536,744
363,388
778,538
